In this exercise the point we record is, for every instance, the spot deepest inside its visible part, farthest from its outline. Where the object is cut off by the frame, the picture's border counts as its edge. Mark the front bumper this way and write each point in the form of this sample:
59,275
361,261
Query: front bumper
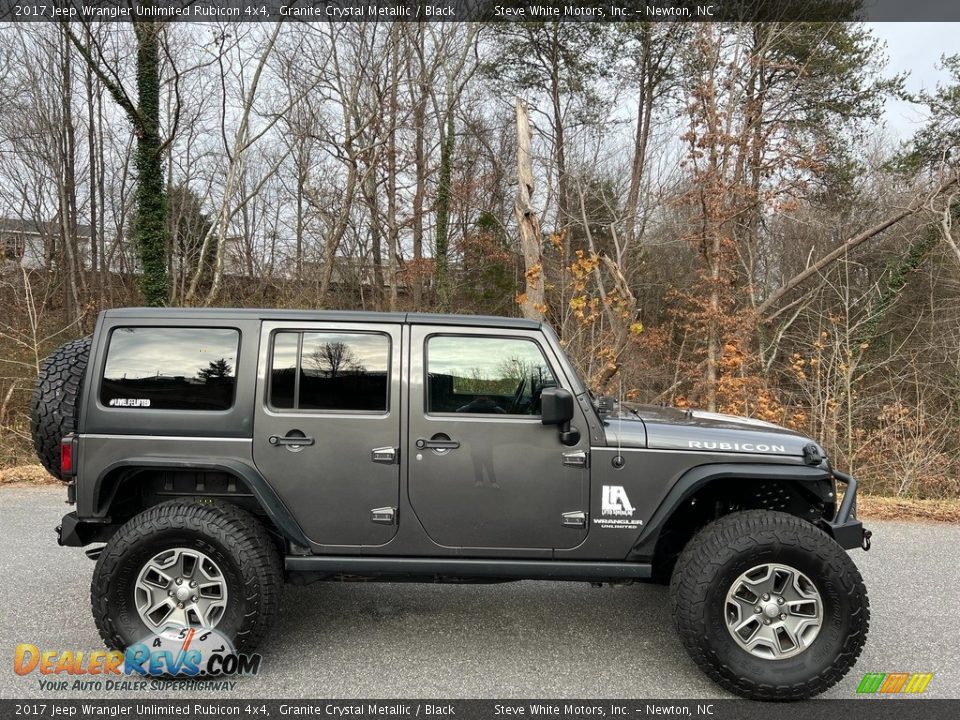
845,528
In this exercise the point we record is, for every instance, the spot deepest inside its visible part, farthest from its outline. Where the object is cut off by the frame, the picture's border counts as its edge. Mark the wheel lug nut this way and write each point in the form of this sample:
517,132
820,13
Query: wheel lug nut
783,616
179,581
193,583
756,609
766,621
180,606
766,596
194,599
779,601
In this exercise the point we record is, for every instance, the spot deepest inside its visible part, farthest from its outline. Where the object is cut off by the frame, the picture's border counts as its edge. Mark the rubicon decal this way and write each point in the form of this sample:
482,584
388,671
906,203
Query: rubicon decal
736,447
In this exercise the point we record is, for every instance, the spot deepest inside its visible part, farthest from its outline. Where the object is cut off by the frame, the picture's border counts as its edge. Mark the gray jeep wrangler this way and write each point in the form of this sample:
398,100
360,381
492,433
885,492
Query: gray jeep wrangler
213,454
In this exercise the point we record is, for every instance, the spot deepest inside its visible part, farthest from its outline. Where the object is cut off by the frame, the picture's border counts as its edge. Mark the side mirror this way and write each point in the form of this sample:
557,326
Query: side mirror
556,408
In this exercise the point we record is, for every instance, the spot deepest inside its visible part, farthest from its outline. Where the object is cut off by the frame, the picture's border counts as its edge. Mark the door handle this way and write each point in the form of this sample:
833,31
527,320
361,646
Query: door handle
277,440
423,444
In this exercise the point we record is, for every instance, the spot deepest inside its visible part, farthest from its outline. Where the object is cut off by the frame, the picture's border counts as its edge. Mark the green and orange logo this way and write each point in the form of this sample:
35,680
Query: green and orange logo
894,683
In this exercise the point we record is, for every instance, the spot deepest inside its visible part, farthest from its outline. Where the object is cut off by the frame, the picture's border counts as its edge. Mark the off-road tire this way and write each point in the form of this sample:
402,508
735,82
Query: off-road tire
229,535
730,546
55,404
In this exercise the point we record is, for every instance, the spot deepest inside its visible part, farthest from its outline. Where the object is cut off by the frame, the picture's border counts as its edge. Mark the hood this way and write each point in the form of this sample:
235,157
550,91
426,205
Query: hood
667,428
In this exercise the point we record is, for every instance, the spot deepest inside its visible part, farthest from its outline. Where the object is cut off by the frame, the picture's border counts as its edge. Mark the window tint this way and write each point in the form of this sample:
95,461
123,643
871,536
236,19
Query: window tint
170,368
503,376
330,371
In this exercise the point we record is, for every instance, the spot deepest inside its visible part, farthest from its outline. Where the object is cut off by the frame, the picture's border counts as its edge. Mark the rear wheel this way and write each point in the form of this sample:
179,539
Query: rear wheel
769,606
186,563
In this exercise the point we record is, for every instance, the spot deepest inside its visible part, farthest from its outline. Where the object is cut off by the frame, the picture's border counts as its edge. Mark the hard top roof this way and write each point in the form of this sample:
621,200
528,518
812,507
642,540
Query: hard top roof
358,316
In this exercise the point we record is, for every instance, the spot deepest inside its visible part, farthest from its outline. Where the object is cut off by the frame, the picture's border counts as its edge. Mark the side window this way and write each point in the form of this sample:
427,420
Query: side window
497,376
330,371
170,368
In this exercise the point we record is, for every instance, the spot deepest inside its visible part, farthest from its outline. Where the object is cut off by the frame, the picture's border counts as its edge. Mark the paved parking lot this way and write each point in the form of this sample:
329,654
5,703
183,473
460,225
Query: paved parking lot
525,639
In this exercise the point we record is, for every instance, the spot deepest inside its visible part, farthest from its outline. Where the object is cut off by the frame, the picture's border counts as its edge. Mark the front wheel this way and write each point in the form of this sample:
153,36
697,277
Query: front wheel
769,606
187,563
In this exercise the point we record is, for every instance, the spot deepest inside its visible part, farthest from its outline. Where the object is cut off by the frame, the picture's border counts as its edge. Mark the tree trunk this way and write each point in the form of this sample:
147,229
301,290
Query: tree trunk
301,184
644,109
559,143
530,239
68,193
419,101
767,309
393,231
149,225
441,269
376,243
713,323
420,159
92,161
336,233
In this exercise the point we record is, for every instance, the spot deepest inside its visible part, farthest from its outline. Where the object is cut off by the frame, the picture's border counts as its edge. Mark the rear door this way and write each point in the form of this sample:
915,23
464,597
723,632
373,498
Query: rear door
484,472
327,430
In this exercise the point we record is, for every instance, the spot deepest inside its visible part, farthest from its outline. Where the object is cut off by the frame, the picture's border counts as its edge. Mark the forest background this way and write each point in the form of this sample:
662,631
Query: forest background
710,215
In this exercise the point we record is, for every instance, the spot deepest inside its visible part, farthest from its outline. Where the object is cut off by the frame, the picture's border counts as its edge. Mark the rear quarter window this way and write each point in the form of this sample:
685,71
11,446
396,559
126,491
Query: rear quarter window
170,368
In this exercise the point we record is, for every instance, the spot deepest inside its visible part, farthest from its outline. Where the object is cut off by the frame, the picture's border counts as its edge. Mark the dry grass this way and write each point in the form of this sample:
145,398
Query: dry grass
869,507
875,507
26,475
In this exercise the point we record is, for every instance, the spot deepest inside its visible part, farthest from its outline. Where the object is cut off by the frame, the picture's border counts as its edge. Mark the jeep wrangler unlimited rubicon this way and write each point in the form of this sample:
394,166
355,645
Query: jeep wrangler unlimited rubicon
217,453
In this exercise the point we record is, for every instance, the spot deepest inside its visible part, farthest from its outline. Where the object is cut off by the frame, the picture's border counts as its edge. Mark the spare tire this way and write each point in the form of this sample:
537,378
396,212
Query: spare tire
56,401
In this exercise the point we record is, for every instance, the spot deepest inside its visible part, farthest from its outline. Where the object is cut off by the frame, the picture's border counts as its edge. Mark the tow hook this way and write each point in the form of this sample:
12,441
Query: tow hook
865,543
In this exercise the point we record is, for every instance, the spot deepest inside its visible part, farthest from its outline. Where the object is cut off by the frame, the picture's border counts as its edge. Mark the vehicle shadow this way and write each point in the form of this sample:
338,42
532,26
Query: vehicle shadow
522,639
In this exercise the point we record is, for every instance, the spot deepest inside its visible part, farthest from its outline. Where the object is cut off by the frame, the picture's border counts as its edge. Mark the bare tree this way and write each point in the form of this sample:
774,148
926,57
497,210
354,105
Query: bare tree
532,300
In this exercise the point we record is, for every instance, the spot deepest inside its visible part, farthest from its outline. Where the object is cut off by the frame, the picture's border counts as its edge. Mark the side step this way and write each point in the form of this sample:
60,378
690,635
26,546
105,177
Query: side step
468,568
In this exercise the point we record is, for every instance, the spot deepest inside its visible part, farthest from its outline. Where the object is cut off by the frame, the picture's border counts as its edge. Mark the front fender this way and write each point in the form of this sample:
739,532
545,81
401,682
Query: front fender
699,477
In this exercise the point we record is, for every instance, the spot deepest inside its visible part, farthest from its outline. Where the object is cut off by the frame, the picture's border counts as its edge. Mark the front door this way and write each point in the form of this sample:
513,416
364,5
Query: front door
327,430
484,472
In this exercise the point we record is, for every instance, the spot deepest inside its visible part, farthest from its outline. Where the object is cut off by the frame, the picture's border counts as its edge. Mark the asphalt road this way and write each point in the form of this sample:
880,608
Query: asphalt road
524,639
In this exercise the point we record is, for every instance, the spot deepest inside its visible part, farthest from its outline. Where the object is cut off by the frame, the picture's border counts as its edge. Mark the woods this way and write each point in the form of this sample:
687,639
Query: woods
709,215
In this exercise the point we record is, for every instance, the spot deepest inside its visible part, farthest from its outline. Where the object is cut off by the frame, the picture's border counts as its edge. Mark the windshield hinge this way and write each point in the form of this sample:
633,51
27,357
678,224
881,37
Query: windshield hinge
576,458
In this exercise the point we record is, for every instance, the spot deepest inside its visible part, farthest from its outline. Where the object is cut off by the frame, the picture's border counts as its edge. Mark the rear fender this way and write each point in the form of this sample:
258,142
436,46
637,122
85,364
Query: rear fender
266,497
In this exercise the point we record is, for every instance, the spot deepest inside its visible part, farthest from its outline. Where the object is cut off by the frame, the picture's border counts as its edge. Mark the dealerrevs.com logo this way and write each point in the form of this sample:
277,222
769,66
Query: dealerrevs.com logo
181,653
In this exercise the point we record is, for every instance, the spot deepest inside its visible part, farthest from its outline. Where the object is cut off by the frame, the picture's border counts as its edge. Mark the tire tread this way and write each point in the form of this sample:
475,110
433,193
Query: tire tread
743,532
55,404
225,523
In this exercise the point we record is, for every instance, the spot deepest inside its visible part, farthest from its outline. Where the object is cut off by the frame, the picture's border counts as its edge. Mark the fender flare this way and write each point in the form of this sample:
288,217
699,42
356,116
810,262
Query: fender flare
262,491
699,477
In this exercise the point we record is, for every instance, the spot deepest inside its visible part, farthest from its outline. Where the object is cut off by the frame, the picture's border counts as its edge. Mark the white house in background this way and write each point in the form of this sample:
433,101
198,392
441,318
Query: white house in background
27,243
